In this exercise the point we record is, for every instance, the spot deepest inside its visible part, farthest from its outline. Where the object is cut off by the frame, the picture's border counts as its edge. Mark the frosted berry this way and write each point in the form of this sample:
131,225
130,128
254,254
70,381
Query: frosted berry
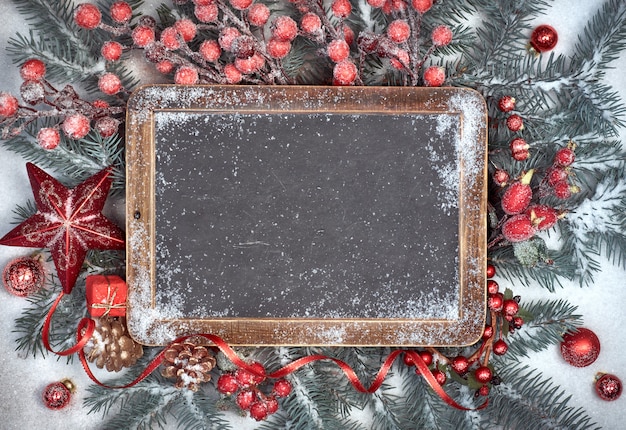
284,28
506,103
440,377
543,217
495,302
121,12
483,374
488,332
272,405
245,398
111,50
492,287
338,50
32,92
491,270
344,73
348,34
100,104
310,23
249,65
240,4
510,307
518,195
518,228
33,70
434,76
165,67
206,13
169,38
515,122
564,157
186,75
521,155
426,357
186,28
376,3
556,175
422,6
277,48
341,8
227,36
244,47
483,391
76,126
247,379
258,14
203,2
563,190
210,50
399,30
87,16
106,126
143,35
232,74
518,144
441,35
501,177
8,105
282,388
391,6
227,384
110,84
48,138
258,411
460,364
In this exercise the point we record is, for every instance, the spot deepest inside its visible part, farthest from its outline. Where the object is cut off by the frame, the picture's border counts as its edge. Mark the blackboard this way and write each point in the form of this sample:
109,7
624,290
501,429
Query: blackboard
306,215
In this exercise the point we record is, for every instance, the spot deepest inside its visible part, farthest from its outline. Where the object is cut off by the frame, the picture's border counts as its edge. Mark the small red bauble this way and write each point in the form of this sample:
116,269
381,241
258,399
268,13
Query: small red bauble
165,67
460,364
344,73
227,37
338,50
57,395
8,104
272,405
580,348
510,307
107,126
33,70
121,12
426,357
440,377
169,38
495,302
518,144
488,332
491,270
542,216
109,84
483,391
23,276
506,103
500,347
441,35
608,387
483,374
515,122
563,190
544,38
556,175
246,379
376,3
434,76
258,14
76,126
48,138
399,30
87,16
518,195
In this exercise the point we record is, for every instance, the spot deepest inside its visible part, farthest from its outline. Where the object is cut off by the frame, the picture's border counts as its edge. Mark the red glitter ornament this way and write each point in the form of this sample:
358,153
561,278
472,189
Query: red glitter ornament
57,395
580,348
68,221
23,276
608,387
543,38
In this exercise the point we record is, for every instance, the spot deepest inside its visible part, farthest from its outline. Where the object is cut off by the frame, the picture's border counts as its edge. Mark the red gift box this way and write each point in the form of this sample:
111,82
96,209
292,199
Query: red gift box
106,296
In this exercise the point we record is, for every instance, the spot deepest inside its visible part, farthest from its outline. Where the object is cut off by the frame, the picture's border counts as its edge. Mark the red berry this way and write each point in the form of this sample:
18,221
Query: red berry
348,34
121,12
245,398
426,357
258,411
249,65
376,3
460,364
556,175
282,388
422,6
564,157
32,92
515,122
169,38
246,378
408,359
483,374
506,103
543,217
186,28
491,270
401,59
495,302
483,391
76,126
232,74
143,35
510,307
186,75
48,138
488,332
111,50
518,144
501,177
165,66
109,84
100,104
518,195
240,4
492,286
518,228
227,36
33,70
107,126
338,50
500,347
206,13
344,73
277,48
210,50
518,322
563,190
227,384
258,14
272,405
87,16
284,28
203,2
8,104
310,23
434,76
399,30
441,35
439,376
341,8
521,155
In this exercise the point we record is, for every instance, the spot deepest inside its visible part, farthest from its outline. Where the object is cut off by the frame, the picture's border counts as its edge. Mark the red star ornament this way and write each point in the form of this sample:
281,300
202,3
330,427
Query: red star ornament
68,222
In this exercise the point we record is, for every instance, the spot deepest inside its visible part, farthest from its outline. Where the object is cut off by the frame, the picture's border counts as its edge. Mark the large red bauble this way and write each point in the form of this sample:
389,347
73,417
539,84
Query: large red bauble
23,276
608,387
580,348
544,38
68,221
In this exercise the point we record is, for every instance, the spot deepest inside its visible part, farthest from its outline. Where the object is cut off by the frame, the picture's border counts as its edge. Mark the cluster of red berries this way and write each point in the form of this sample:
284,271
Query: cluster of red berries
514,122
76,114
559,174
244,385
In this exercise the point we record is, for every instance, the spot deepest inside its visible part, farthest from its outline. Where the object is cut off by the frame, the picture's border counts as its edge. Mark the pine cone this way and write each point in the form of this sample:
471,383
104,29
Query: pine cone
190,364
110,345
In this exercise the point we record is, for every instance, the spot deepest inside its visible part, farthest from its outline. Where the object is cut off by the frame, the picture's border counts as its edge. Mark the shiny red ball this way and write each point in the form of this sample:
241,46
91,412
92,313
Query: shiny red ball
608,387
56,396
460,364
491,269
580,348
544,38
483,374
23,276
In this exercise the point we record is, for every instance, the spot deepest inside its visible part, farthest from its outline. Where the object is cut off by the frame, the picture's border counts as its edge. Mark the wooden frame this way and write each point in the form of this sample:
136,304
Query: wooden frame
149,325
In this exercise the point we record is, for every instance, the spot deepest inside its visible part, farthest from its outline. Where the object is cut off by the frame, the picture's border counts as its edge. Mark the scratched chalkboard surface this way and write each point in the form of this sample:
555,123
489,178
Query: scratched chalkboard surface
298,219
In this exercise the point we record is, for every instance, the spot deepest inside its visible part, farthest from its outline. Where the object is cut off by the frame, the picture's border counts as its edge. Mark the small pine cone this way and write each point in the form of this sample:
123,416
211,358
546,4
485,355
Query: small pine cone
191,364
111,346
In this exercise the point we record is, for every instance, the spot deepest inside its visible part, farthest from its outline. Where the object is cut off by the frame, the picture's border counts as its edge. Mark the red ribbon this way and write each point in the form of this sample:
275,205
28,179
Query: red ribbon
87,323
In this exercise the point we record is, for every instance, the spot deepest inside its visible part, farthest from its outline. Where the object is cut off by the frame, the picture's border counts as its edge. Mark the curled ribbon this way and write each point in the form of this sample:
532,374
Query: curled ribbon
83,337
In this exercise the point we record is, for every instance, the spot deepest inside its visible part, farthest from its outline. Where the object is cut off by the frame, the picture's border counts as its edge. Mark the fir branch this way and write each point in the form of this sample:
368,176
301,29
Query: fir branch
197,410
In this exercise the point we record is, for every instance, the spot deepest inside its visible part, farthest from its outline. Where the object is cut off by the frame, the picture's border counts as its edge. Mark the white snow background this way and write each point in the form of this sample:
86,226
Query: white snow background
22,379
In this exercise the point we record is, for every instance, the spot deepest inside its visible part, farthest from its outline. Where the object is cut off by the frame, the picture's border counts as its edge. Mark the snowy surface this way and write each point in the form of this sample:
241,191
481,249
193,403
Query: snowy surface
601,304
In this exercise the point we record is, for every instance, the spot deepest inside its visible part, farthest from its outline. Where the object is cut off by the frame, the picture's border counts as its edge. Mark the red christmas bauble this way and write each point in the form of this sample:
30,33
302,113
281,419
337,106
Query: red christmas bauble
543,38
57,395
24,276
608,387
580,348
